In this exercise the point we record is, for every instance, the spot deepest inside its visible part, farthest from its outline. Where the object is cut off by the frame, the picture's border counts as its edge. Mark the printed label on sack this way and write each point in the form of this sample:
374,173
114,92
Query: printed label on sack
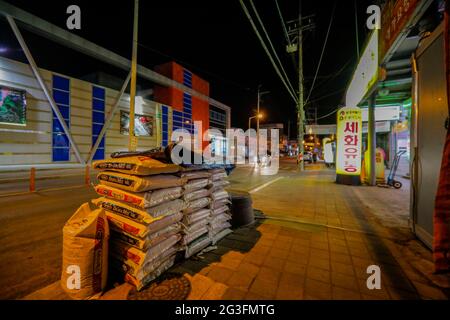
117,180
118,196
116,165
122,211
125,227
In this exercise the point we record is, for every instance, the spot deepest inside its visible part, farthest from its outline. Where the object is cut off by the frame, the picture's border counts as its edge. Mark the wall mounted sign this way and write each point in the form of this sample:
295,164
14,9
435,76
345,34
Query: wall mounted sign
394,18
12,106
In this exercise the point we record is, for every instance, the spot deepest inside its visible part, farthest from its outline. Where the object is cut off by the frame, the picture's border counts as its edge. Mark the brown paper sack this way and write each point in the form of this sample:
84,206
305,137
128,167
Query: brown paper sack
85,252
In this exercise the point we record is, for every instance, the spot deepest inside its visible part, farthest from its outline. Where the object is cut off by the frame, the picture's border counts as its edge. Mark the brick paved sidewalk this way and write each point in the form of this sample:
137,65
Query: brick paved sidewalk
343,230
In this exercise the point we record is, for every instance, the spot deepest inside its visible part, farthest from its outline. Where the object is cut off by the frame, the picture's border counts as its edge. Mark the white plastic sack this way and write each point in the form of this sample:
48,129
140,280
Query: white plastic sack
191,196
187,230
197,246
219,195
220,235
196,205
202,214
188,238
218,176
196,184
191,175
221,210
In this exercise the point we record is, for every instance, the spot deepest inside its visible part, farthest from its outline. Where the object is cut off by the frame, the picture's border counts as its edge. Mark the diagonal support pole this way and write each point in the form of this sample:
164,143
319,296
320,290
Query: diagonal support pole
43,86
109,119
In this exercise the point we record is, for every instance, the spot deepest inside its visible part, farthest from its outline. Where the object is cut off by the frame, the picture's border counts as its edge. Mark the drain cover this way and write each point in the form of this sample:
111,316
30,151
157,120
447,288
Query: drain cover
170,286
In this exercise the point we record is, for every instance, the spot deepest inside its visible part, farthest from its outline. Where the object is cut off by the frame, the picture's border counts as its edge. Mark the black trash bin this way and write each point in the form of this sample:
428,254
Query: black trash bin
241,209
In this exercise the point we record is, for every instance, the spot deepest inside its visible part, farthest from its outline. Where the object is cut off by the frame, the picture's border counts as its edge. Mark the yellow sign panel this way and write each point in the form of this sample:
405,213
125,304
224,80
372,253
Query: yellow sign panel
349,141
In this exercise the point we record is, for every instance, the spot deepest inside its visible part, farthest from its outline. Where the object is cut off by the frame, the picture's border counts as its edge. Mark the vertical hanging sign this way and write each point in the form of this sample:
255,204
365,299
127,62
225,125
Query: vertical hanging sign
349,140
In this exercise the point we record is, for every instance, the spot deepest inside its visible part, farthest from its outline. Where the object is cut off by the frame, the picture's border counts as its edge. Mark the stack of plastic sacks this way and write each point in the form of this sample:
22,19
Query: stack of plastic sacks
143,204
219,225
197,212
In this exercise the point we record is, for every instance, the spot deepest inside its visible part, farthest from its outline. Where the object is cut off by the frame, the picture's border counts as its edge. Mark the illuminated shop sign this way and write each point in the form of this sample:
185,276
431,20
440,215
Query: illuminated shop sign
349,140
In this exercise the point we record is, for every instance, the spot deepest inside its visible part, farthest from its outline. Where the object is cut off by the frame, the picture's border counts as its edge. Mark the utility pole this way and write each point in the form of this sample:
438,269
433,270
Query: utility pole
300,111
132,143
295,30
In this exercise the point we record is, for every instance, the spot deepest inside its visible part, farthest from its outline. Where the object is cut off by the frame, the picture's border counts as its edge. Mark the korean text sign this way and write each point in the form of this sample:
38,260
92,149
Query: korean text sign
349,140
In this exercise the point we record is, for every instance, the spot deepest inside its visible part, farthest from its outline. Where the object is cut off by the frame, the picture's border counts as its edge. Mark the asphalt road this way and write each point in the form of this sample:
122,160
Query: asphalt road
31,225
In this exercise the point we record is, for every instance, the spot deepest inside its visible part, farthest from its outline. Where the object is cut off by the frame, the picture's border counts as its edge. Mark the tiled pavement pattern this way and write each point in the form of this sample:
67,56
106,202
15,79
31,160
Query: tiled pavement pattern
325,257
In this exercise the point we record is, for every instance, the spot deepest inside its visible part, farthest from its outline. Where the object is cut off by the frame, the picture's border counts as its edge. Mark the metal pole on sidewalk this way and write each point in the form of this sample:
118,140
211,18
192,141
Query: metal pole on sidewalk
371,138
132,144
300,111
33,179
257,125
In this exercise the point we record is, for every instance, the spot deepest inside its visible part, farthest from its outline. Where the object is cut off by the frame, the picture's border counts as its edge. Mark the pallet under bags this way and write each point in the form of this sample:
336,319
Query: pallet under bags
85,253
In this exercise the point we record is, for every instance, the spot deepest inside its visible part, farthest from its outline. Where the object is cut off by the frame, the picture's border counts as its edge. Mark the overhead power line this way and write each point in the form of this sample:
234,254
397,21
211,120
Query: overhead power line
323,50
325,116
244,8
271,46
328,95
282,23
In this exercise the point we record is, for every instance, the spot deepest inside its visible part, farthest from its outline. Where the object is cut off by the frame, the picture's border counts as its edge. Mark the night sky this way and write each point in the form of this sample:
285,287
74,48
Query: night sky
213,39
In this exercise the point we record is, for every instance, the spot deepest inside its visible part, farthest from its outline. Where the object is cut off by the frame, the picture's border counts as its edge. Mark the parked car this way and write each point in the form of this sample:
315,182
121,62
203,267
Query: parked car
307,157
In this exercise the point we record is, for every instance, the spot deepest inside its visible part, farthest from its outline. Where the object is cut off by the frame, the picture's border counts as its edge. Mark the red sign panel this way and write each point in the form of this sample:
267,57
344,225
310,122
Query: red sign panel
396,14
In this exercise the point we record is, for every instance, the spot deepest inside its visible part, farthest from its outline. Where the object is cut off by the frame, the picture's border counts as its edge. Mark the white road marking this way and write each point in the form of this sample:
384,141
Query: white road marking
265,185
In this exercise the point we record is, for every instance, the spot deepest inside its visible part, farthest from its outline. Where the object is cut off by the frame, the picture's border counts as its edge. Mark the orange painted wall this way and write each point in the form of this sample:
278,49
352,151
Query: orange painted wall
200,85
174,97
169,96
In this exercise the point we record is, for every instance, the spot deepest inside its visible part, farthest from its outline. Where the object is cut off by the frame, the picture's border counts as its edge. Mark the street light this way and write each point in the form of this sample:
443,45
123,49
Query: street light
258,116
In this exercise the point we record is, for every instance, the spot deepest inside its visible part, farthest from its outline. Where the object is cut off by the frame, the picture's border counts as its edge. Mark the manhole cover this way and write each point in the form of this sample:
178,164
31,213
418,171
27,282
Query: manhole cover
170,286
